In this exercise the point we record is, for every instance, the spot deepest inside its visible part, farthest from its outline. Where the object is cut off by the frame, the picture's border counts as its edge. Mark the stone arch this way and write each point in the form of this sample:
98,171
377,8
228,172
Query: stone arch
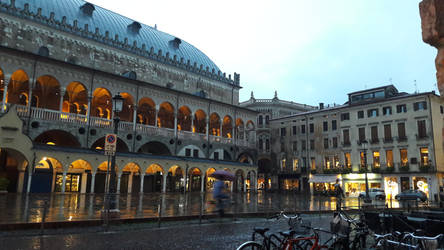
99,144
153,178
58,138
184,118
175,179
75,99
18,88
251,180
43,176
12,166
182,151
155,148
195,179
130,178
165,117
46,93
240,128
200,122
128,108
146,111
209,180
227,156
245,157
78,178
100,178
214,124
238,184
250,131
227,127
101,104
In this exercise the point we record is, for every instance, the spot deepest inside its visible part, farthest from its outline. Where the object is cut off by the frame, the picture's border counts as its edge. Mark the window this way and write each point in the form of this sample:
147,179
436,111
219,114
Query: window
441,109
283,162
346,135
294,130
302,129
195,153
304,161
422,132
401,131
376,163
372,113
216,155
345,116
267,145
282,147
387,133
313,163
404,157
295,146
261,144
267,119
325,126
336,161
333,125
360,114
362,159
283,132
312,128
335,142
187,152
424,154
419,106
389,158
402,108
260,121
295,164
325,143
387,110
312,144
303,145
361,133
347,158
374,131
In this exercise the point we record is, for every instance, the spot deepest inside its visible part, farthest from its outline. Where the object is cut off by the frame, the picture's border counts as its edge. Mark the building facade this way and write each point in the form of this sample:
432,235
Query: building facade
269,176
61,64
397,136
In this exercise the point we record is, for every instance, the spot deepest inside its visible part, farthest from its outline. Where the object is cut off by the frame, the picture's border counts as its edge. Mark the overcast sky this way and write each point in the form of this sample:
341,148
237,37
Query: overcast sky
309,51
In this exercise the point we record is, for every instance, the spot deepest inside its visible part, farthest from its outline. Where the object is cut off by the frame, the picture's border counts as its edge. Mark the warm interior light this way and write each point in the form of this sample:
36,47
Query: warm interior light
50,143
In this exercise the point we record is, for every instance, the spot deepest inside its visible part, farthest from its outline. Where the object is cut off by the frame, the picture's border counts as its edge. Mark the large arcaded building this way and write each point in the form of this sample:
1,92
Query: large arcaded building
61,63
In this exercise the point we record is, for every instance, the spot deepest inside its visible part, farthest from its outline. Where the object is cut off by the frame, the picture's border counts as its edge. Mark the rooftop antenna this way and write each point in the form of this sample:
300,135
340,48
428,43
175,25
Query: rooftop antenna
416,87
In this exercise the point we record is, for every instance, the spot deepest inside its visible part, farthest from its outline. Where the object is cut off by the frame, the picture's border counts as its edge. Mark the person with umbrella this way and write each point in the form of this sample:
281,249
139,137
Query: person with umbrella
219,188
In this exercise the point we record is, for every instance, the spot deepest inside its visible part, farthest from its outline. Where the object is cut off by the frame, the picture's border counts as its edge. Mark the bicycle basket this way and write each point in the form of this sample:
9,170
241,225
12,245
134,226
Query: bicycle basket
340,226
300,226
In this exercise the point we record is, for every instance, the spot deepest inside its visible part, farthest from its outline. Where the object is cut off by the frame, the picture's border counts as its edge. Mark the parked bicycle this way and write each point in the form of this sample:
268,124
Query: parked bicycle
407,240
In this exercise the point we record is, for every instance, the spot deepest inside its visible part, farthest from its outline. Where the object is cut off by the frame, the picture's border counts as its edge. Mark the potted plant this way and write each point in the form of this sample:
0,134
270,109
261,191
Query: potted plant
4,182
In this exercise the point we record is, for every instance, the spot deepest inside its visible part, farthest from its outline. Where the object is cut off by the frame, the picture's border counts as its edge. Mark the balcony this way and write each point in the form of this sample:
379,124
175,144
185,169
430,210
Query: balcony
402,138
388,140
422,136
346,144
374,141
425,168
404,167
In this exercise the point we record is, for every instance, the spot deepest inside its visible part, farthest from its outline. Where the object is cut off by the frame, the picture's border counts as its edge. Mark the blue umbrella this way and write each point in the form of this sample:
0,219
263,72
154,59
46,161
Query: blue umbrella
223,175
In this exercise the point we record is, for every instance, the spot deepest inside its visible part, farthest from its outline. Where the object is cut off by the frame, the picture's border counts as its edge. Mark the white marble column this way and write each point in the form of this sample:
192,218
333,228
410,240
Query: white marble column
63,181
142,177
20,181
231,186
5,91
164,182
93,181
28,188
88,111
119,177
207,127
202,182
84,182
130,183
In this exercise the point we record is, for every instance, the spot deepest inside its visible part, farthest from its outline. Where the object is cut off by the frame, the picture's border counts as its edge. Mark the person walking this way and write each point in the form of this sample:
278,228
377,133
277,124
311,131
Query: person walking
339,193
219,195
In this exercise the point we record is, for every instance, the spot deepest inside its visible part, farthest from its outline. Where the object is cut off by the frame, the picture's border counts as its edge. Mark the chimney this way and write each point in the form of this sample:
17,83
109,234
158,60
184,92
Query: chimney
321,105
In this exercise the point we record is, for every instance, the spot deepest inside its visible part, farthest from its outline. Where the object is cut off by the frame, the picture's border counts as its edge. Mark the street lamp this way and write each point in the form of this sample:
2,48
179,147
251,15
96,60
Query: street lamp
117,106
364,145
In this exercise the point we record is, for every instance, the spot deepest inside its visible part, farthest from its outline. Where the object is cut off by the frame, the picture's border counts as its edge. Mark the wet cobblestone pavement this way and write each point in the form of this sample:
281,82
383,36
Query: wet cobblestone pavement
219,233
18,208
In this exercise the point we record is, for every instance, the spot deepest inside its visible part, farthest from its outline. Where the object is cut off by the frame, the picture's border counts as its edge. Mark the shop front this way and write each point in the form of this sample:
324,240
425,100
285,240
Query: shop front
425,183
323,184
354,184
289,182
391,186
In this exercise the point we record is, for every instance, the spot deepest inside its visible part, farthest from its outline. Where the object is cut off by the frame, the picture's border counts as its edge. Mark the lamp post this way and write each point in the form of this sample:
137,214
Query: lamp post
117,106
364,149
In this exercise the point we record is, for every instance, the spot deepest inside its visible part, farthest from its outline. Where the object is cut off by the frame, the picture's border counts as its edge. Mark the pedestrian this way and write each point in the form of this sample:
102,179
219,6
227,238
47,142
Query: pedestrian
339,193
219,195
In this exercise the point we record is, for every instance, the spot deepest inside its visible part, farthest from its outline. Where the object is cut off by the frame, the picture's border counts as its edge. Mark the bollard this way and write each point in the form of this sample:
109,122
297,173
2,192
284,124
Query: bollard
159,211
42,224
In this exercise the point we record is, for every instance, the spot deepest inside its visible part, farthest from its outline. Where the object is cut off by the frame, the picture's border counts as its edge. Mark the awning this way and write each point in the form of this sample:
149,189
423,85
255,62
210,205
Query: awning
323,178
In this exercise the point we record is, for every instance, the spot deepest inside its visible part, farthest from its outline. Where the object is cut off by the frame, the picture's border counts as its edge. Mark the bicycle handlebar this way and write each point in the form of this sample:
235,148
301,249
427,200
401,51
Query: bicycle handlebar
412,235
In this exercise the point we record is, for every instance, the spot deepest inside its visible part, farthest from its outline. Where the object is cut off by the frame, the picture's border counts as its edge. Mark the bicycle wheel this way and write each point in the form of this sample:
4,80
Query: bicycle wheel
339,245
250,245
303,245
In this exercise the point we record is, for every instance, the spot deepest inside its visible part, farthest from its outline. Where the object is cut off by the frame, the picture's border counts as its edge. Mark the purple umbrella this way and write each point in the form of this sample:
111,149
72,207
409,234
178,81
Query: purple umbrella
223,175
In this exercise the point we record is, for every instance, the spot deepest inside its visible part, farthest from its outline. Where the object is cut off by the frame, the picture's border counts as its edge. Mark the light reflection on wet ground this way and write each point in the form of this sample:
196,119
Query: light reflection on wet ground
61,207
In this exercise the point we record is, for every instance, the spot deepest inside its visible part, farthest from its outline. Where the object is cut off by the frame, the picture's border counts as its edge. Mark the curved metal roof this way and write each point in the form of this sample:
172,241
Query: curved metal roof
116,24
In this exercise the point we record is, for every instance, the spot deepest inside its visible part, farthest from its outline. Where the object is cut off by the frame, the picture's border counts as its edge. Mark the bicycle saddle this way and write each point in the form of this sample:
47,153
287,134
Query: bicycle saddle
261,230
287,234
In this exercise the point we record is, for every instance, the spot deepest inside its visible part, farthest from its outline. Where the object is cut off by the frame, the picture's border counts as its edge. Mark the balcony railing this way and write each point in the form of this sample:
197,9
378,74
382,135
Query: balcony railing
388,140
425,168
402,138
346,144
374,141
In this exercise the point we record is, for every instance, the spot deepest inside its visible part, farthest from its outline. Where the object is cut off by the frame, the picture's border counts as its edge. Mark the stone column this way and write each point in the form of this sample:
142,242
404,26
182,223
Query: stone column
207,127
62,91
20,181
142,176
202,182
83,184
28,188
93,180
245,185
231,186
30,94
175,124
220,128
192,122
119,177
63,182
88,111
5,91
164,182
130,183
157,113
134,118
